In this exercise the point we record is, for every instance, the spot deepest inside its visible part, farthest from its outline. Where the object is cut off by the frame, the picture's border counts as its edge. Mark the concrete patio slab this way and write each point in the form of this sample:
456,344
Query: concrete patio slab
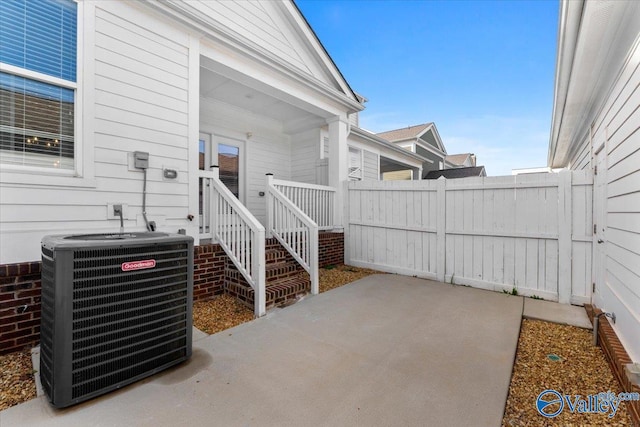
557,313
385,350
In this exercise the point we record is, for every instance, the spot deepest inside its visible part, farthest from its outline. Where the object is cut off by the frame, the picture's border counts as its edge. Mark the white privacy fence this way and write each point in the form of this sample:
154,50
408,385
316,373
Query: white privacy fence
316,201
293,228
529,232
240,235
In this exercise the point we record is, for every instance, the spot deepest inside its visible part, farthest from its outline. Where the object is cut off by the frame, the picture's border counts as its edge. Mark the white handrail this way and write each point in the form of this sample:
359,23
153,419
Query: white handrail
241,236
316,201
294,229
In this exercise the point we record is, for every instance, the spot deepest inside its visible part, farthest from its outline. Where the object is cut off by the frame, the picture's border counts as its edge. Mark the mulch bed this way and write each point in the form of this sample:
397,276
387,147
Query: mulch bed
561,358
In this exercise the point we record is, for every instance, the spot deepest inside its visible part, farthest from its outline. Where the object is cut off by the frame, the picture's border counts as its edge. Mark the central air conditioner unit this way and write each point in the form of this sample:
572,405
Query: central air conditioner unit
115,308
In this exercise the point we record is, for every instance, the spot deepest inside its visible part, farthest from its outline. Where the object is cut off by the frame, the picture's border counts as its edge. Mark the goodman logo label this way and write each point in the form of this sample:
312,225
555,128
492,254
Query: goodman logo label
138,265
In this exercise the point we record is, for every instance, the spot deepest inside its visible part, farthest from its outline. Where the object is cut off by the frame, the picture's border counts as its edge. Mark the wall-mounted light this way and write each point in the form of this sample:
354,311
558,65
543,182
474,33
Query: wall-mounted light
249,135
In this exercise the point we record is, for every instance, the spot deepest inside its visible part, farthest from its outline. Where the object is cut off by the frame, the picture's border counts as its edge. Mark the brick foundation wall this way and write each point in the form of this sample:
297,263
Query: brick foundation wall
19,306
209,263
617,357
331,249
20,288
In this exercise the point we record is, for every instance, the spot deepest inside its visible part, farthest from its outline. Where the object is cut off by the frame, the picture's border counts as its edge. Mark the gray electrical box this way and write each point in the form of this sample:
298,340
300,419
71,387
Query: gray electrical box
141,159
115,308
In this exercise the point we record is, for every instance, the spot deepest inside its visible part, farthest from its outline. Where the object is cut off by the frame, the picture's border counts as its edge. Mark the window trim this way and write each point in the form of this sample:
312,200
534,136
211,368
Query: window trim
83,173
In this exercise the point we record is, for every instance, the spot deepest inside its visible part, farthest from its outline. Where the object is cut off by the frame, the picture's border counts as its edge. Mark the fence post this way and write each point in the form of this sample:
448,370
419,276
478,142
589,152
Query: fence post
441,222
565,226
346,222
259,274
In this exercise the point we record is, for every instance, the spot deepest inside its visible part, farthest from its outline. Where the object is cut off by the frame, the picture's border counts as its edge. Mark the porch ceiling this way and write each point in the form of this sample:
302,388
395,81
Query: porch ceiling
390,165
217,87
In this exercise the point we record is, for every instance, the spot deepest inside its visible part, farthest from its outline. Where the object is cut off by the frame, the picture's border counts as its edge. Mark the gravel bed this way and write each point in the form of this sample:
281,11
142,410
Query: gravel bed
218,314
17,383
335,276
581,369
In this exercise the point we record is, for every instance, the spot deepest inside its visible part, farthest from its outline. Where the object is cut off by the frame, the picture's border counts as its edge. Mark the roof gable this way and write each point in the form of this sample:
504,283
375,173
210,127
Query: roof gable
274,29
426,133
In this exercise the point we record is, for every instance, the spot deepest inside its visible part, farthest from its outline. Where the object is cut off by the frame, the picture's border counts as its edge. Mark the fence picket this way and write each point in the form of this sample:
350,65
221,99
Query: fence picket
496,233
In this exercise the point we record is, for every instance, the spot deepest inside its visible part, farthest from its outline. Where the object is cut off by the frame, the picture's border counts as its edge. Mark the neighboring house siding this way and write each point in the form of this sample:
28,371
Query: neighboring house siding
618,123
141,80
426,166
305,152
370,165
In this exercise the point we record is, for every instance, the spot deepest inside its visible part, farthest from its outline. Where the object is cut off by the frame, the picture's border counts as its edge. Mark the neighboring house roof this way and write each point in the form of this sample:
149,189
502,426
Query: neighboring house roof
457,173
372,137
461,159
411,132
425,135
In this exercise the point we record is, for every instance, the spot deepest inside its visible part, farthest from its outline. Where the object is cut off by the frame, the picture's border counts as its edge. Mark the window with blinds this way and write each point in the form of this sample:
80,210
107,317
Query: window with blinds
355,164
38,82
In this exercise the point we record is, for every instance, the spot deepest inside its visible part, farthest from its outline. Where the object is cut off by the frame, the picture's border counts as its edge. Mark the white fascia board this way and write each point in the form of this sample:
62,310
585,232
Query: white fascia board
306,33
433,150
568,30
222,36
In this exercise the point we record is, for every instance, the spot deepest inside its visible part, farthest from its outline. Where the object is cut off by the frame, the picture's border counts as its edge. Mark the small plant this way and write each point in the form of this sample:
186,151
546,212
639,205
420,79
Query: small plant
451,280
536,297
329,267
513,291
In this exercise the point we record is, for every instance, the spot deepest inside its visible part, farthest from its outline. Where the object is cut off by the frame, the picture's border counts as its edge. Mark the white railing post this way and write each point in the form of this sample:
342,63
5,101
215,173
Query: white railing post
269,216
258,267
313,260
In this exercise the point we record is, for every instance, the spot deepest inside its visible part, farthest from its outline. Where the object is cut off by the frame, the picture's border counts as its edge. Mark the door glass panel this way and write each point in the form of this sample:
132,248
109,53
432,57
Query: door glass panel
201,145
229,166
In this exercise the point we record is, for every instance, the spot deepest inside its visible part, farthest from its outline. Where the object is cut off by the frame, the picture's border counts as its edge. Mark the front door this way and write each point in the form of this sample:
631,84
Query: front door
600,217
226,153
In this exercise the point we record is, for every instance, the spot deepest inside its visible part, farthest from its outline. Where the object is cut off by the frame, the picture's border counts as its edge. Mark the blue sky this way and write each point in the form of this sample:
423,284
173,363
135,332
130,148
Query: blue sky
481,70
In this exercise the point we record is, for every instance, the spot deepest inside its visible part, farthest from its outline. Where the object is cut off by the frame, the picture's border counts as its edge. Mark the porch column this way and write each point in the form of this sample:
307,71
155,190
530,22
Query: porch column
338,162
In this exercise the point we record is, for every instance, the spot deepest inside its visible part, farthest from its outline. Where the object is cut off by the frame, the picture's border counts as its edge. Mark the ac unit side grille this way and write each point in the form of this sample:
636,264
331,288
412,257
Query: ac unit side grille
120,339
118,325
112,367
121,326
89,388
134,297
94,359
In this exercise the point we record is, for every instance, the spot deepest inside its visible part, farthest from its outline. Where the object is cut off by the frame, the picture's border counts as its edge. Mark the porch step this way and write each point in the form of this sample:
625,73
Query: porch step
286,279
279,292
273,270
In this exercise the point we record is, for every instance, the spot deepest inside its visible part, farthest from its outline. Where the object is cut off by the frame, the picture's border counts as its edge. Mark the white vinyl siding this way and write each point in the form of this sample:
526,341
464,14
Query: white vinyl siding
582,159
305,153
370,165
140,81
619,121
